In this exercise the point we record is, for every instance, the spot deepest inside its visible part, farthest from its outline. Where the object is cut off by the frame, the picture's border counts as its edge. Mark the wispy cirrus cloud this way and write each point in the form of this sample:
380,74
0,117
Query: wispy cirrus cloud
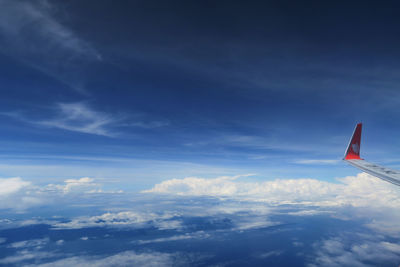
31,33
195,235
81,117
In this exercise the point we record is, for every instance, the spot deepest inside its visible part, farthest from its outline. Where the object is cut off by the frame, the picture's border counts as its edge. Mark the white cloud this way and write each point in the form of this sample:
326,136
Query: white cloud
362,190
24,255
317,161
32,243
148,125
220,186
19,194
168,224
16,193
308,212
127,258
12,185
362,196
241,205
84,184
195,235
252,221
79,117
268,254
120,219
18,15
342,251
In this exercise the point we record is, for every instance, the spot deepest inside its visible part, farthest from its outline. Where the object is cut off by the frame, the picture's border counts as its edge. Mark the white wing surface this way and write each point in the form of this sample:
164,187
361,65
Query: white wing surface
352,156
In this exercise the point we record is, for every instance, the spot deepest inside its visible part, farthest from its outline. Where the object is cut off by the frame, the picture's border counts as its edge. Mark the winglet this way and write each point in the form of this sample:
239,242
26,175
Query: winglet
353,149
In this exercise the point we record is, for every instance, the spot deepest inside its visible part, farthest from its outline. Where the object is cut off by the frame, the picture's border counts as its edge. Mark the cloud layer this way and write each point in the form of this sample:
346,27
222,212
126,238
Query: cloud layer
127,258
360,190
18,194
177,210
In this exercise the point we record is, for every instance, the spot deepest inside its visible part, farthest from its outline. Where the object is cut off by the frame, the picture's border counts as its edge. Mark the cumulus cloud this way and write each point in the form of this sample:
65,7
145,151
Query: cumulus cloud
278,190
19,194
16,193
12,185
362,196
360,190
194,186
226,204
84,184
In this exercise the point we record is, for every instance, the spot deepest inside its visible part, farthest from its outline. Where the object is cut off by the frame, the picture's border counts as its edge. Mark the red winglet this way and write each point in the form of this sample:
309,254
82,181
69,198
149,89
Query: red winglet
353,149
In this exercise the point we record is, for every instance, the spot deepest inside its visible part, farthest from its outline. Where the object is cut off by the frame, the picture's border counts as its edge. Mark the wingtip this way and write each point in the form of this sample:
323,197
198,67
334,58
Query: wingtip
353,149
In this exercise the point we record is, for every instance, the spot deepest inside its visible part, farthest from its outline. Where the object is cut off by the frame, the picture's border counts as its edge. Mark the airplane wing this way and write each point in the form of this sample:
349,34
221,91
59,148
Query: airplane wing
352,156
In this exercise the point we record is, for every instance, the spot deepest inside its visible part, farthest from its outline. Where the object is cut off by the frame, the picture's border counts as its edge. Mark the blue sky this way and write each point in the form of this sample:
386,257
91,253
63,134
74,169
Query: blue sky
146,89
197,133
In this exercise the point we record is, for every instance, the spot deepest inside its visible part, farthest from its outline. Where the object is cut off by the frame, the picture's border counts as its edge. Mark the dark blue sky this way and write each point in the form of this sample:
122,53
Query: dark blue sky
142,91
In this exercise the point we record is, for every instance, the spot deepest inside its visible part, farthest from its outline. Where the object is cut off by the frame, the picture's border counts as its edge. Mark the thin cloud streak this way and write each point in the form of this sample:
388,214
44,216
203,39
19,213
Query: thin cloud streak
317,161
80,117
31,33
